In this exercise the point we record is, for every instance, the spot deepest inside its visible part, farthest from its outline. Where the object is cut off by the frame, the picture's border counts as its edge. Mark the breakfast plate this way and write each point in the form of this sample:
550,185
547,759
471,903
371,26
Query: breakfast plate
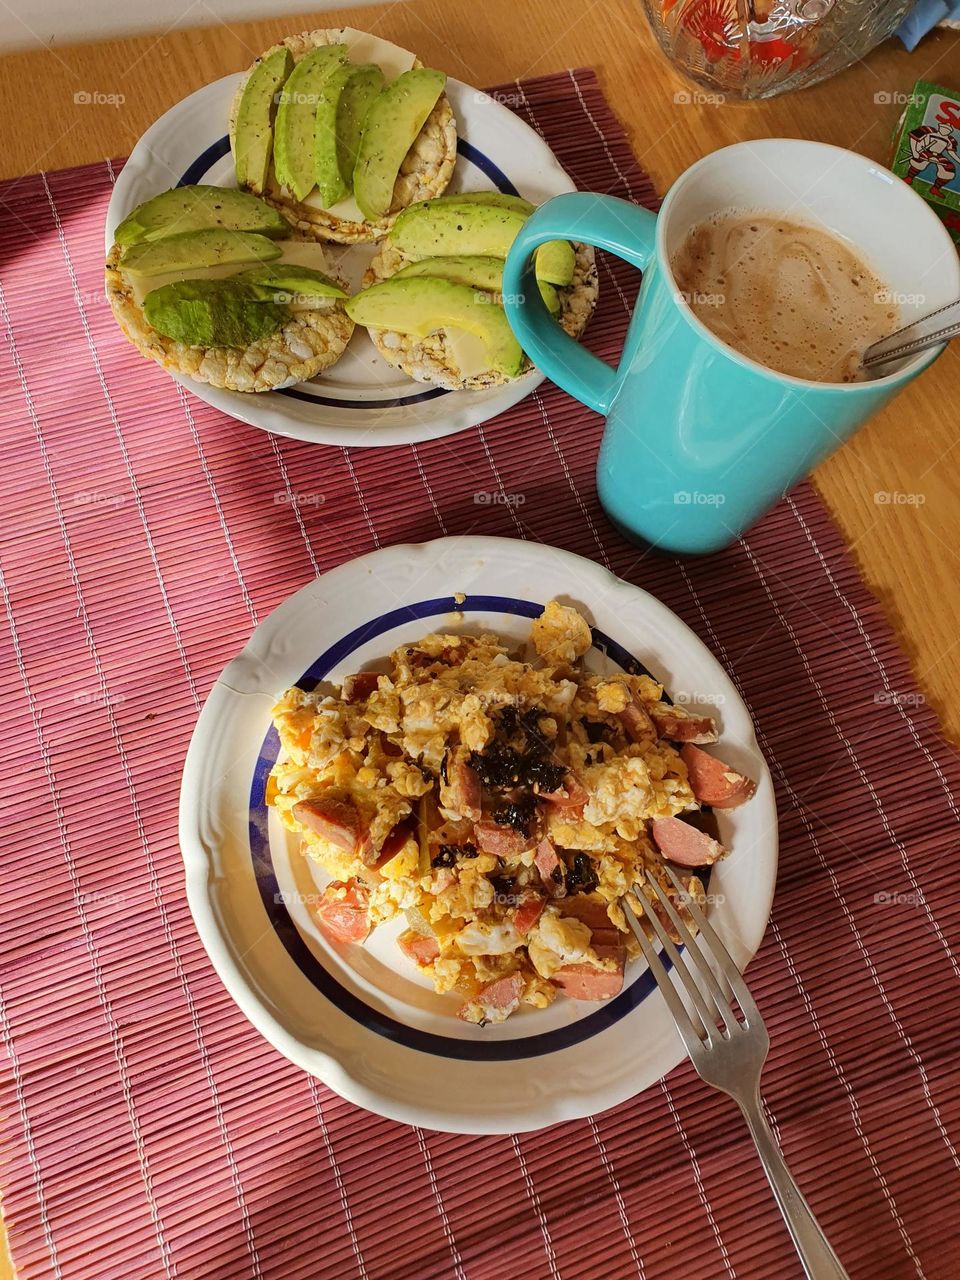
362,1018
361,401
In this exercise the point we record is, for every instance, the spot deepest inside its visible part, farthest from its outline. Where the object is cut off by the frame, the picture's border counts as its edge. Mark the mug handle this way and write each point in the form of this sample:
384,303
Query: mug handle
603,221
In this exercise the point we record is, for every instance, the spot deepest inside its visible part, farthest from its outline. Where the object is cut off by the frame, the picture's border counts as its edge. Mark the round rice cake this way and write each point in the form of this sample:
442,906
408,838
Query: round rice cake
431,359
425,173
309,342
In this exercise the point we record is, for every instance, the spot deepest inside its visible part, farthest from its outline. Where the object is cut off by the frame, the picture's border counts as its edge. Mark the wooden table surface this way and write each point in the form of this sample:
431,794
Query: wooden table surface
909,552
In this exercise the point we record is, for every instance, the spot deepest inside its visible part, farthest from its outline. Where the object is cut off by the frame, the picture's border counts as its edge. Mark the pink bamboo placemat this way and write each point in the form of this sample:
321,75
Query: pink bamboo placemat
147,1130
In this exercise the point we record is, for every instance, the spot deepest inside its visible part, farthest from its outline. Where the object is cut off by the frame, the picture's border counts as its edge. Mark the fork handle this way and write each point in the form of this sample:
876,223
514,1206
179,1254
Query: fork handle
818,1258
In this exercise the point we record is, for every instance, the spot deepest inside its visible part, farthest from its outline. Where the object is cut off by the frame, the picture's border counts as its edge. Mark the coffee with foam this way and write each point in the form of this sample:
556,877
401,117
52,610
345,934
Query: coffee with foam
790,295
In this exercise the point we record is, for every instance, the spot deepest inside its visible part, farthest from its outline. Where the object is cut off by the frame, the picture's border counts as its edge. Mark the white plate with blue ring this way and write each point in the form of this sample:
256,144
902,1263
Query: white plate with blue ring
361,401
362,1018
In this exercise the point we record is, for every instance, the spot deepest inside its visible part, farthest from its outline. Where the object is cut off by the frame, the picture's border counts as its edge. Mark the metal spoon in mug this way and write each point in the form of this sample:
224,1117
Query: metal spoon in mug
929,331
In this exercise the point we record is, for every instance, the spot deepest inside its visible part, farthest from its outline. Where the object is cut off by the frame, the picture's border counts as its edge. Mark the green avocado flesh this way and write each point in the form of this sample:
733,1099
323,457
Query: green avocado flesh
347,92
555,262
478,272
294,127
395,118
198,249
198,208
278,281
253,133
329,181
497,198
359,94
212,313
452,226
421,305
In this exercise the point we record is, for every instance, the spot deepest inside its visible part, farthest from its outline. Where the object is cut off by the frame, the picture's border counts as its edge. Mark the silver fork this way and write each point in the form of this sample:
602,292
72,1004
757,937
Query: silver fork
729,1057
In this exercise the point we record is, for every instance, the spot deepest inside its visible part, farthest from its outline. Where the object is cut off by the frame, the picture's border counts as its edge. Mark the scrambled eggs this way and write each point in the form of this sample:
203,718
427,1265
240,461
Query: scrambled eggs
503,803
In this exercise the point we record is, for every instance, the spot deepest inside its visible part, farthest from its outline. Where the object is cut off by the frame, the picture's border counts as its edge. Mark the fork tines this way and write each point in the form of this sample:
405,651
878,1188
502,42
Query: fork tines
699,1028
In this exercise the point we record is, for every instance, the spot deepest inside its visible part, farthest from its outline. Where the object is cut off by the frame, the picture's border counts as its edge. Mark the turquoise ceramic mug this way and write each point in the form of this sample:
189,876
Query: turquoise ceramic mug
701,440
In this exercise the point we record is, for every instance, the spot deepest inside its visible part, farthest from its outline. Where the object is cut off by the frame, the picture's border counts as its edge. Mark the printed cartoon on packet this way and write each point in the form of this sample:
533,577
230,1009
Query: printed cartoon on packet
927,150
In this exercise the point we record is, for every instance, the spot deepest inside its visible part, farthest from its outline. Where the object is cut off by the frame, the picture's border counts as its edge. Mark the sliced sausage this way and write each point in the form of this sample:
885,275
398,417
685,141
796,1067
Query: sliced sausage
503,841
343,918
637,724
527,914
421,948
336,818
714,782
461,792
680,726
587,982
494,1002
683,844
593,913
553,873
358,687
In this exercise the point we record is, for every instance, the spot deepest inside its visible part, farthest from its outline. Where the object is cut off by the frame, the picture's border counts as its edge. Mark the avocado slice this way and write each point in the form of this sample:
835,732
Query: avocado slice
294,126
556,261
474,270
212,313
441,228
326,166
421,305
196,208
397,115
253,133
275,280
452,225
549,294
480,273
359,94
208,248
499,199
347,91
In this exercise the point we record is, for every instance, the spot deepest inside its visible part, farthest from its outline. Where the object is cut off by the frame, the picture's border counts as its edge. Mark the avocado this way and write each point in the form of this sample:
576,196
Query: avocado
396,116
293,129
499,199
345,98
555,262
421,305
253,133
453,225
274,280
549,294
326,166
197,249
212,313
480,273
359,94
195,208
441,228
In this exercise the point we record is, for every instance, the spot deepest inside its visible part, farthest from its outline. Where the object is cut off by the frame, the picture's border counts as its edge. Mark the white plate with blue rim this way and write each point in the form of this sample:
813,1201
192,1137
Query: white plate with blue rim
361,401
361,1018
